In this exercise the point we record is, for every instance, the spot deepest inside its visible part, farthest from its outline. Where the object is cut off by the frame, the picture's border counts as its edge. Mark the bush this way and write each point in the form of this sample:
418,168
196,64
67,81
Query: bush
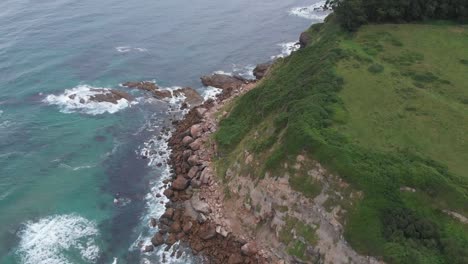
376,68
354,13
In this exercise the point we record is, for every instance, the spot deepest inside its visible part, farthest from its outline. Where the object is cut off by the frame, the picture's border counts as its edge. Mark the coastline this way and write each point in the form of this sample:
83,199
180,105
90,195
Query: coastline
193,214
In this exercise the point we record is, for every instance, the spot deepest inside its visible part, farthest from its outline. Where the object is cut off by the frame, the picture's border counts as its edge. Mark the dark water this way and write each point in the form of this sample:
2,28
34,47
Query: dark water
63,163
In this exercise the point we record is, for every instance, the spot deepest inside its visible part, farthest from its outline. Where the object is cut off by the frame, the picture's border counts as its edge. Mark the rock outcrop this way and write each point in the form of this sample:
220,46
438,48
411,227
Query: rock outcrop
304,39
192,97
106,95
223,81
261,70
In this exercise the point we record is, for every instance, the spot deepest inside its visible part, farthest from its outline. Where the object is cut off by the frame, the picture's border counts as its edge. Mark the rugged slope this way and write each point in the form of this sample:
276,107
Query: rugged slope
362,132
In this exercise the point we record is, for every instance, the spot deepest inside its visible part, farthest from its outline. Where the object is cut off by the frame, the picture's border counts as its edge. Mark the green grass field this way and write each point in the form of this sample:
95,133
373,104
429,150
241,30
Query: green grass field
384,108
393,109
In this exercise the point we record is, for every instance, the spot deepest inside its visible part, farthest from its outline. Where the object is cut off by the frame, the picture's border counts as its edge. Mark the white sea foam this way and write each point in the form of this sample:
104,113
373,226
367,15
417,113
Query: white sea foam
51,239
125,49
210,92
313,12
286,49
223,73
78,100
66,166
1,112
245,71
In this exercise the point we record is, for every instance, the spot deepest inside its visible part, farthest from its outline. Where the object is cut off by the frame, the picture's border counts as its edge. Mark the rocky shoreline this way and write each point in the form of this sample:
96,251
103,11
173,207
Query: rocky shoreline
194,214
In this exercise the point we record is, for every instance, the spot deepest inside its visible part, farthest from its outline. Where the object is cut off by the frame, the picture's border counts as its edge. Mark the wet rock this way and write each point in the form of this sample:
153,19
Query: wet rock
249,249
180,183
168,214
157,240
161,94
106,95
148,248
153,222
192,98
171,239
261,70
145,86
223,81
196,246
304,39
207,232
168,193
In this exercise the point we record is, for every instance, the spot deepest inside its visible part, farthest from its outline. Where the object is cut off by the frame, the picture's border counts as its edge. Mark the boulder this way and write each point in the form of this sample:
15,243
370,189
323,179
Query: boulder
145,86
249,249
171,239
106,95
153,222
168,214
187,140
187,227
223,81
261,70
148,248
196,130
168,193
207,232
196,145
199,205
205,176
192,97
193,160
200,111
180,183
220,230
157,240
175,227
187,153
304,39
192,172
235,259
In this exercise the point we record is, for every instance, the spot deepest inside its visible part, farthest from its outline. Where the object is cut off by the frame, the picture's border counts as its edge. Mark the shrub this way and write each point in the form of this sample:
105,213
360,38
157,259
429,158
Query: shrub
376,68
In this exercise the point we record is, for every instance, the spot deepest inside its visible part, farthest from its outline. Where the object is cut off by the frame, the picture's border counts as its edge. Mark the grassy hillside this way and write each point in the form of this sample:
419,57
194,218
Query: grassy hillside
385,107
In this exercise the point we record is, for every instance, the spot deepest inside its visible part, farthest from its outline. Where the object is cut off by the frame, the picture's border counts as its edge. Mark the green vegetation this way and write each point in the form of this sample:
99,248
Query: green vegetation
353,13
305,233
383,108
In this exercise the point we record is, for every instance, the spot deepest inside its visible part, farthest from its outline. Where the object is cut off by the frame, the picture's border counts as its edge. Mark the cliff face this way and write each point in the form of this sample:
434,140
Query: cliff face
298,175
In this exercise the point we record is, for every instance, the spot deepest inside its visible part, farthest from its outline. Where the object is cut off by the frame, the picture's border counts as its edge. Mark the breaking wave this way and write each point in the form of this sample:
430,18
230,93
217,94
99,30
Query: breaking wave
286,49
316,11
125,49
59,239
78,100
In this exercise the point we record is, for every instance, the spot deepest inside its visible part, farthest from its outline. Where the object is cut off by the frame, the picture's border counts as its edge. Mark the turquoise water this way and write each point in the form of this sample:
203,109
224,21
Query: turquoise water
62,167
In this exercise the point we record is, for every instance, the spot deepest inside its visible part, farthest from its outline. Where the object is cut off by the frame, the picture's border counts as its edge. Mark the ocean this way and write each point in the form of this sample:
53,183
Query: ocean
78,179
